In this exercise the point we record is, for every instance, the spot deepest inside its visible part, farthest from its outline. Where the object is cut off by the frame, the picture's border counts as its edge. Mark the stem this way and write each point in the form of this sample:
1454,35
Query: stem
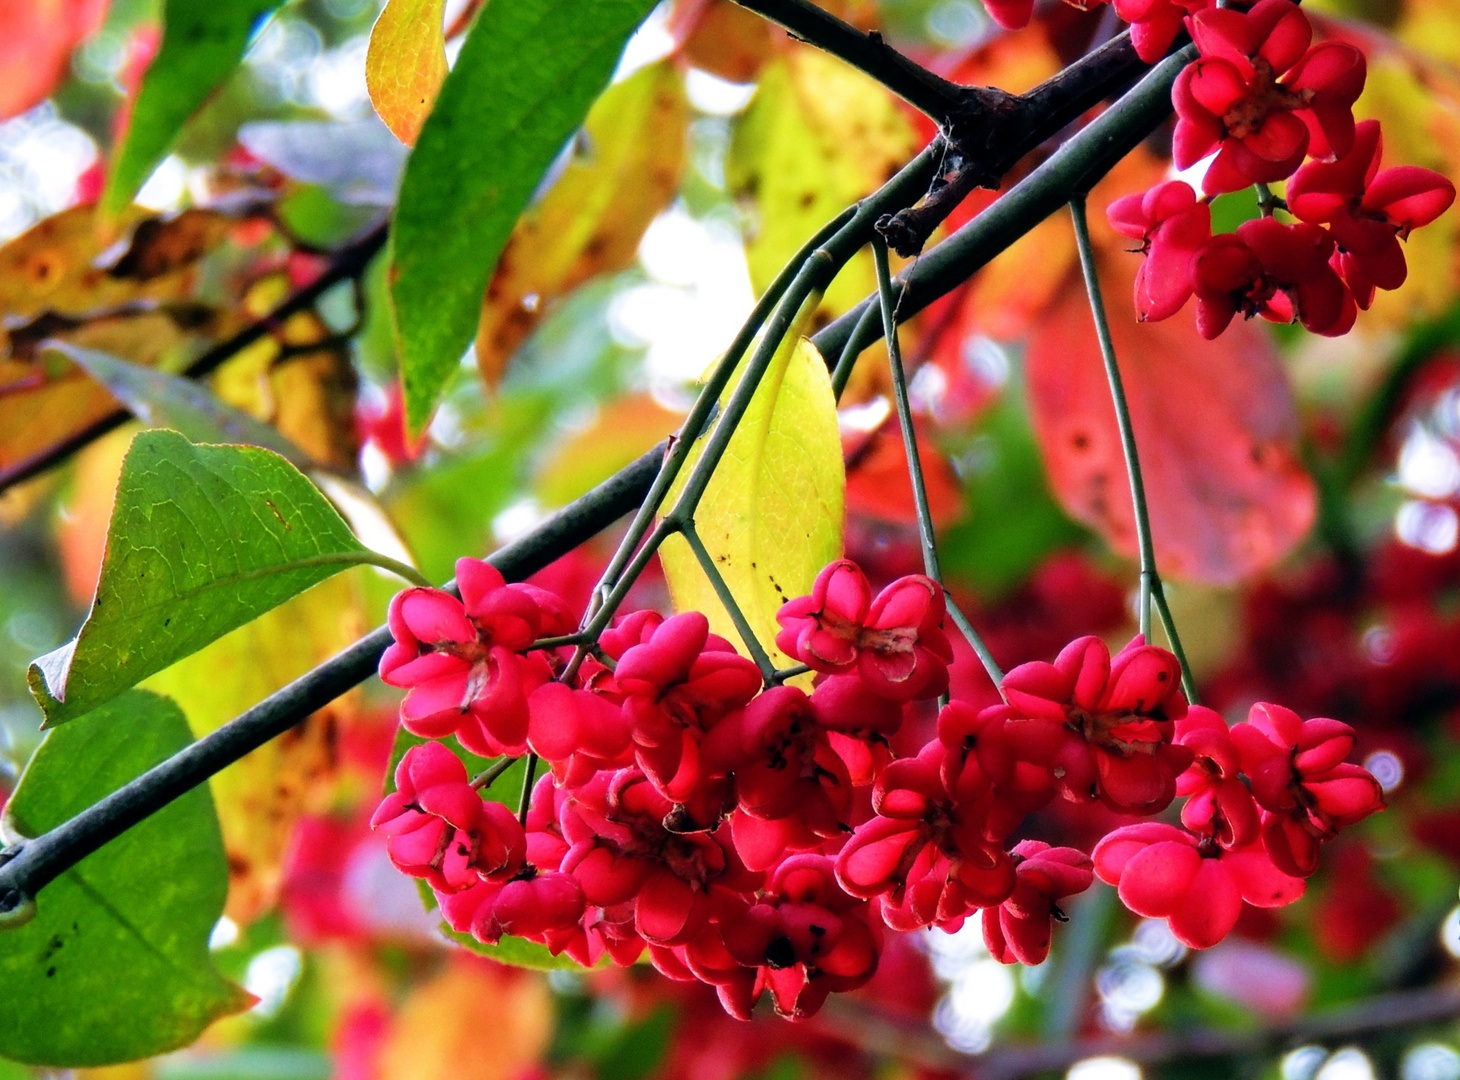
1122,413
722,590
1267,202
985,657
863,334
1163,609
372,558
525,803
349,264
1150,580
782,674
484,779
914,458
904,412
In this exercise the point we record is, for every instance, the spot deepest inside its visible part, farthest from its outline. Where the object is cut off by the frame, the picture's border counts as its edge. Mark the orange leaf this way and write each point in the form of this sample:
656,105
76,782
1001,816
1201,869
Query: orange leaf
405,64
1215,425
621,431
879,485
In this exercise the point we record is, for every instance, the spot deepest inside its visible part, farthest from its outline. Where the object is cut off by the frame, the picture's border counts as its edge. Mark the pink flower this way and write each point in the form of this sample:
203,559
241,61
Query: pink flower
1172,225
1154,24
621,852
1259,96
1102,727
1281,272
438,827
1300,779
461,660
1218,803
1368,212
678,685
925,855
803,939
1163,872
1019,929
783,762
895,642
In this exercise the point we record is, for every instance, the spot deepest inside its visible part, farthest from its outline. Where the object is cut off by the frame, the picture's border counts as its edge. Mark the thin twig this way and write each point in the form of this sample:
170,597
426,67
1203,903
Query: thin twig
524,804
727,598
483,780
913,1042
1150,580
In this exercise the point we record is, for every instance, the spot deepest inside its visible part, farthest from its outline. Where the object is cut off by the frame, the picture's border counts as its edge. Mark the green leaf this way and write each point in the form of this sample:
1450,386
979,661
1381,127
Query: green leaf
524,81
202,42
202,539
115,965
159,399
771,516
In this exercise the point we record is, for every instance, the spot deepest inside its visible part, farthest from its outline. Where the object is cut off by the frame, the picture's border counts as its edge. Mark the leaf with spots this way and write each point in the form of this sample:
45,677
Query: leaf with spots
405,64
772,514
140,307
115,965
620,174
202,539
819,136
1215,425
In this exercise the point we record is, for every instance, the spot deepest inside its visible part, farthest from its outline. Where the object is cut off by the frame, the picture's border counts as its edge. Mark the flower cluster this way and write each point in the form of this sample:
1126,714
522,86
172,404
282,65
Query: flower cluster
1259,100
763,838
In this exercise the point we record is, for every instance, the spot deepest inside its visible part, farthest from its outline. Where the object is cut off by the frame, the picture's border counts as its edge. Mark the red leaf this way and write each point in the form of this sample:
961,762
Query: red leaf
36,39
1215,425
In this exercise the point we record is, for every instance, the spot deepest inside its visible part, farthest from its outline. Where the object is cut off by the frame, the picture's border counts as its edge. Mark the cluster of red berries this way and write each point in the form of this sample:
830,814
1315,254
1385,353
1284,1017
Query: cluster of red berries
1262,97
762,838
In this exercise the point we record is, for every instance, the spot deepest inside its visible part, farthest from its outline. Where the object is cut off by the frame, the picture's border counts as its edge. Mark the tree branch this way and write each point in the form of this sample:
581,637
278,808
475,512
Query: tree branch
28,866
881,1033
987,129
349,263
1073,169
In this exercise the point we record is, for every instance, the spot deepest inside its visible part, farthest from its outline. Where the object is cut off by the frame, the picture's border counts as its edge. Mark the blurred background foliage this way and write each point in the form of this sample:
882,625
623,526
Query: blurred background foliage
1305,491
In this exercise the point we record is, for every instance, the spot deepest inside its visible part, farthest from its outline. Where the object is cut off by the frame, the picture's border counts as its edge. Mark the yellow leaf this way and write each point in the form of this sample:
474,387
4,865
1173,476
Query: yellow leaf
819,136
625,170
772,514
260,797
406,64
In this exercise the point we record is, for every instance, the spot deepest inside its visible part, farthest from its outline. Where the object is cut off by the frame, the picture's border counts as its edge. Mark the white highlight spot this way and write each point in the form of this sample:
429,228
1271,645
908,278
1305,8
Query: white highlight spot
270,976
